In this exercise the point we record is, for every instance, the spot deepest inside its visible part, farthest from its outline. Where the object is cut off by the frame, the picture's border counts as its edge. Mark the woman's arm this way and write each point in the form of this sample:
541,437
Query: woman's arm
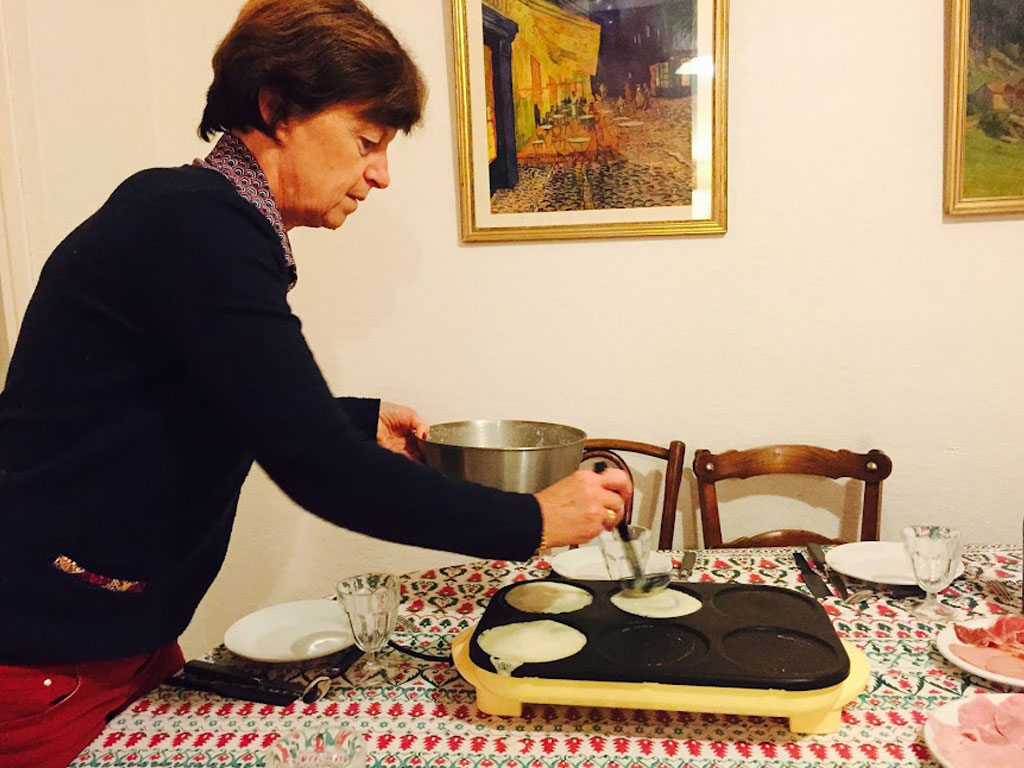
216,301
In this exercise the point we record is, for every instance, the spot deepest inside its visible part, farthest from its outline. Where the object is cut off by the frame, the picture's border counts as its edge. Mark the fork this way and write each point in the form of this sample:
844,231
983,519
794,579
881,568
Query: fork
997,588
1000,590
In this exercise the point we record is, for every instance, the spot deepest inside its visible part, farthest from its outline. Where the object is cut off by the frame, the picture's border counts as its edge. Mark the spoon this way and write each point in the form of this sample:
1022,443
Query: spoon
645,586
640,585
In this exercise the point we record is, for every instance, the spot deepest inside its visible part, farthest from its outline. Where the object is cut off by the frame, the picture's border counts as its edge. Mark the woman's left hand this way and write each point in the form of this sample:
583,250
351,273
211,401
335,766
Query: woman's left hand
398,426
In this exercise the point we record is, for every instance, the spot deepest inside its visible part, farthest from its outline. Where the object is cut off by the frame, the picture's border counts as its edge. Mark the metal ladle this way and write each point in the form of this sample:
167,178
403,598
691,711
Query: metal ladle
640,585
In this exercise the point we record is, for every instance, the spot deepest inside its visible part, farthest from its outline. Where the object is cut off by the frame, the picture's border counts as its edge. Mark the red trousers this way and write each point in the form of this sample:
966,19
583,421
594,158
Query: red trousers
49,713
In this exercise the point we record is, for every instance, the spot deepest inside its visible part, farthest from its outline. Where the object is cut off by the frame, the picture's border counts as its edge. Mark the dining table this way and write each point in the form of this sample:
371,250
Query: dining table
425,714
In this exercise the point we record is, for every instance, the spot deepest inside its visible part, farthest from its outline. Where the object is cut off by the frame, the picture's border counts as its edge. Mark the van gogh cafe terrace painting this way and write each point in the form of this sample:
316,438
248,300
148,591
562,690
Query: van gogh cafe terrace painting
600,114
623,652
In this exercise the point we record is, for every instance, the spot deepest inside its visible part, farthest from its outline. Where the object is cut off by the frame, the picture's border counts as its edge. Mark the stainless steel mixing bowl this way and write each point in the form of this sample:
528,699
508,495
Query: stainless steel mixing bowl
523,456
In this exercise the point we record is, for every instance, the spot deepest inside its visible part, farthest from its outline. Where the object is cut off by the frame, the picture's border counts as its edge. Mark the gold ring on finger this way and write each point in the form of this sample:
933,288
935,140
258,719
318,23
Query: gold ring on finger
611,516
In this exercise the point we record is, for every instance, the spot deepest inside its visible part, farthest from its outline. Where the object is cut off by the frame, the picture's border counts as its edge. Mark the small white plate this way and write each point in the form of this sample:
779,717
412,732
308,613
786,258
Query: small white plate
947,637
587,564
305,629
949,713
880,562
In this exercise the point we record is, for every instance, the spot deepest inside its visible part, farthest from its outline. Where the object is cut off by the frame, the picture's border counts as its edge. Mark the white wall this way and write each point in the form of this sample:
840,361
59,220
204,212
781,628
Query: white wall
840,309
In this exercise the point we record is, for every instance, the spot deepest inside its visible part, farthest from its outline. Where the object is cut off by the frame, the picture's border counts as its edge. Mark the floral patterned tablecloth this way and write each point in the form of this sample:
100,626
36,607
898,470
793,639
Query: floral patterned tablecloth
427,715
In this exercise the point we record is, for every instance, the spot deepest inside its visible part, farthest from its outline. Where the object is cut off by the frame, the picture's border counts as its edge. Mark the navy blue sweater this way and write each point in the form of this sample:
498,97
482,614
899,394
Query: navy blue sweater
157,359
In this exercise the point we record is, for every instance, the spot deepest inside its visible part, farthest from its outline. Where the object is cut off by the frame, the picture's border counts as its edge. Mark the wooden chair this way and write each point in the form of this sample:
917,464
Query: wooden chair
871,467
608,450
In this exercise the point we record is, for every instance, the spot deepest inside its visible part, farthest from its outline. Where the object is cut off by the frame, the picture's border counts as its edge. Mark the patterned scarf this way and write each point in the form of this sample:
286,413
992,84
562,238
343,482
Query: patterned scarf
233,159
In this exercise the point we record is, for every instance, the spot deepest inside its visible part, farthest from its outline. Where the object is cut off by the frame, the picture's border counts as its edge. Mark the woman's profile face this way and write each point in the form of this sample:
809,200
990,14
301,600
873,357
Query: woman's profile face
329,162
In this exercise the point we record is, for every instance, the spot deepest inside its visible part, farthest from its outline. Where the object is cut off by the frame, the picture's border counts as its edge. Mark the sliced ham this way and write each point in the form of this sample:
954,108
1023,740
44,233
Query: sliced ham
975,655
994,660
977,713
1008,630
972,635
1009,717
1004,631
961,748
987,735
1006,665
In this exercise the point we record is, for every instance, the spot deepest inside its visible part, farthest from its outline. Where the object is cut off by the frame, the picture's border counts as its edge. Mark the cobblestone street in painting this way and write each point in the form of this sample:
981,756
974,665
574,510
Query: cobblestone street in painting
648,166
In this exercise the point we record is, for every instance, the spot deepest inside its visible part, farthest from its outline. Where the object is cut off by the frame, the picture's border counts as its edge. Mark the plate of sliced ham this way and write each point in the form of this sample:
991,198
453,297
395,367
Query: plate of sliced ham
991,648
981,731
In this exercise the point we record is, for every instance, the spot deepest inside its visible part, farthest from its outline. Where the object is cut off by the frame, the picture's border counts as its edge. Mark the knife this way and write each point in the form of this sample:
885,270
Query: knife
818,556
813,581
686,566
234,683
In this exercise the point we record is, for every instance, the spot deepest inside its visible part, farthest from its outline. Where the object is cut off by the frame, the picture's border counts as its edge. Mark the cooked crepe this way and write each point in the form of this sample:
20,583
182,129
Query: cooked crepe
532,641
548,597
667,604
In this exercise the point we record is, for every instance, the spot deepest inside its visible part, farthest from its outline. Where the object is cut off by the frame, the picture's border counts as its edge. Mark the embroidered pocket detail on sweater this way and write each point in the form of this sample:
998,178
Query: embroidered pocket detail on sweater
66,565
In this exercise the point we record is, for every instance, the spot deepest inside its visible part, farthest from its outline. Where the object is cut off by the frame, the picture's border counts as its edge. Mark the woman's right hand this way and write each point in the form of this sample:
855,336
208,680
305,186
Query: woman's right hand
577,509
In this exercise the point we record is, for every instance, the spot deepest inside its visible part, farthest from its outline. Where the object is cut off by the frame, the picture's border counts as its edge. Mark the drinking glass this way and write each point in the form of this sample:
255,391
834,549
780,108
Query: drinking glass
934,553
320,749
613,550
371,603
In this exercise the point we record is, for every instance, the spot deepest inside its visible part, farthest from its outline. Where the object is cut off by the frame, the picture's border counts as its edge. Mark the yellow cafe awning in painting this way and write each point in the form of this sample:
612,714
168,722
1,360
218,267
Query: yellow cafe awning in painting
554,55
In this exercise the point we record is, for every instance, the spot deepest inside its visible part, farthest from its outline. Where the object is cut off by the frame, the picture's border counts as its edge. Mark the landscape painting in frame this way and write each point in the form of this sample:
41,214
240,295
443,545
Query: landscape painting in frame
985,119
591,118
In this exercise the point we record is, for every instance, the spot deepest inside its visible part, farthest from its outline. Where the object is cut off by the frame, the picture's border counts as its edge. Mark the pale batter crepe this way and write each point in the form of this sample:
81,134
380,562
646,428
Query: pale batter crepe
667,604
532,641
548,597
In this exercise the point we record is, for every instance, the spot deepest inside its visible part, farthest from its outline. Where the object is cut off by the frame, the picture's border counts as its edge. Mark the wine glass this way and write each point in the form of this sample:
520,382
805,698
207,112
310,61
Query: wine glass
934,553
371,603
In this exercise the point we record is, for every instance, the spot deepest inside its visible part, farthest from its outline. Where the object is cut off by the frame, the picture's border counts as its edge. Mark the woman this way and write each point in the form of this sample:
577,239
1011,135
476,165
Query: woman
158,359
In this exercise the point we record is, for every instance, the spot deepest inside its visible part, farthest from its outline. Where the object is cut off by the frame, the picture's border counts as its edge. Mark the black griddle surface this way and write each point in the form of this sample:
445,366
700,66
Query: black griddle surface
743,636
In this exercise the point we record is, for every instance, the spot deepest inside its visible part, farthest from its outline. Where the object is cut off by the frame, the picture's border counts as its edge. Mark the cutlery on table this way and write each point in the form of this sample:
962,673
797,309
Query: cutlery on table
686,565
341,663
1001,591
813,581
817,554
851,598
998,589
237,684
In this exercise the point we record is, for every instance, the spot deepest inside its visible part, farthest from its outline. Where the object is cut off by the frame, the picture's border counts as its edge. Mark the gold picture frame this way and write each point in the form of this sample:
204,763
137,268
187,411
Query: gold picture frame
984,162
561,135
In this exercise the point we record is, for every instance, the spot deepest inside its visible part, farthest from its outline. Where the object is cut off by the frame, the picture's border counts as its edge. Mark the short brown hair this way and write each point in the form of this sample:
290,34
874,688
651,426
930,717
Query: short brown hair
310,54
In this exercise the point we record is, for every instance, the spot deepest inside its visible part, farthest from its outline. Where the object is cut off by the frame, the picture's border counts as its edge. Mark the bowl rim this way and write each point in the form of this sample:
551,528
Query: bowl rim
579,436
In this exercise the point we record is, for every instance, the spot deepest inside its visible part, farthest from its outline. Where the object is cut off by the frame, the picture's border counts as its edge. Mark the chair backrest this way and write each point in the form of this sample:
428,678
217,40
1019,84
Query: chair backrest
871,467
609,450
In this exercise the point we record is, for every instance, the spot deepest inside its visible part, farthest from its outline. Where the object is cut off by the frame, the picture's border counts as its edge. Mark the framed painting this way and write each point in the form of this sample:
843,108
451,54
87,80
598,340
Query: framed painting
591,118
985,108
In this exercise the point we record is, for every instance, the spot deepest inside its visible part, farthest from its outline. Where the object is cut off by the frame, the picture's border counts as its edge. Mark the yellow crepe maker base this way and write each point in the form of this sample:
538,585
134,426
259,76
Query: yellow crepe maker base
815,711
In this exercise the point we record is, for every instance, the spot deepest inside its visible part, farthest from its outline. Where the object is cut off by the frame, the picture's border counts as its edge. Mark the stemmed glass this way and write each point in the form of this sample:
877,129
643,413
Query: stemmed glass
934,554
371,603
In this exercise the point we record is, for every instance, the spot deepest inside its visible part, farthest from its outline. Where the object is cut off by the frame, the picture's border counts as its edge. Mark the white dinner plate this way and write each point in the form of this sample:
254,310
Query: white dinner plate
587,564
947,637
949,713
880,562
305,629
